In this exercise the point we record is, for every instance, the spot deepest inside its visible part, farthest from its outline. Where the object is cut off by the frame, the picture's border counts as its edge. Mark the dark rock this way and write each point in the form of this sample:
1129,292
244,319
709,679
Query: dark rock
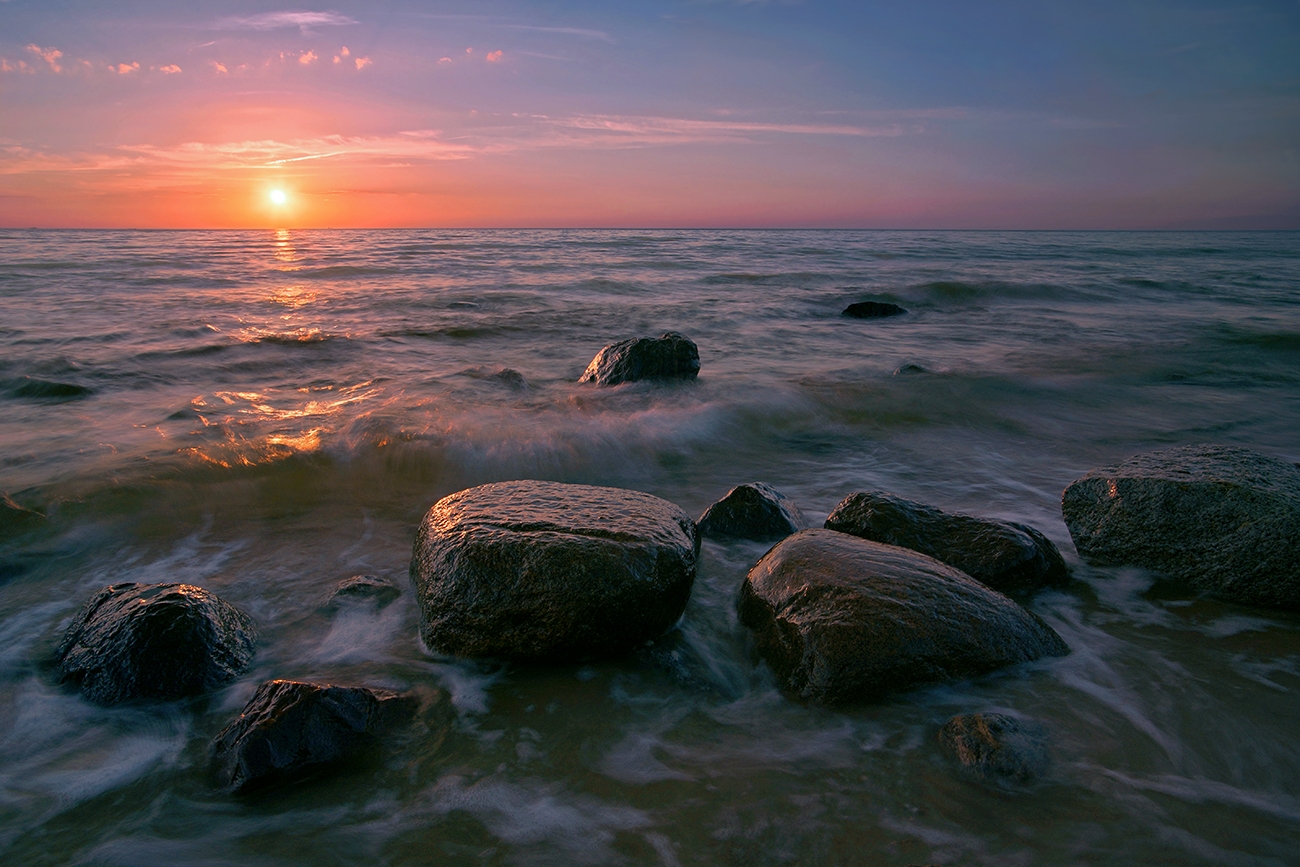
31,388
909,369
669,357
873,310
364,588
15,519
510,378
1222,520
290,729
1008,557
754,511
154,641
841,619
996,747
531,569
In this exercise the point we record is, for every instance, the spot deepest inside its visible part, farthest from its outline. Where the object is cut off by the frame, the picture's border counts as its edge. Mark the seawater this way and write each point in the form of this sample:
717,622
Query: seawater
267,413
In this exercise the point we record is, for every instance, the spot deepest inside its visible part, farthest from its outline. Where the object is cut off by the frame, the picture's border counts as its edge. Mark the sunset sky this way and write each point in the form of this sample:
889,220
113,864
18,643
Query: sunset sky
672,113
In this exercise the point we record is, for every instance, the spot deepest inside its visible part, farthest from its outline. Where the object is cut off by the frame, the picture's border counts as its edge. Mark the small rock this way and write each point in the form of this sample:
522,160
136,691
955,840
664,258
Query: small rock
1223,520
997,747
873,310
671,356
510,378
841,619
290,728
364,588
1008,557
909,369
753,511
532,569
154,641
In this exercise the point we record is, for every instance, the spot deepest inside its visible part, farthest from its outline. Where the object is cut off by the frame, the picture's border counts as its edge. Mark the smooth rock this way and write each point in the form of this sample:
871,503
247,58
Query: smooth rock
753,511
1222,520
873,310
154,641
671,356
290,729
841,619
996,747
532,569
364,588
1008,557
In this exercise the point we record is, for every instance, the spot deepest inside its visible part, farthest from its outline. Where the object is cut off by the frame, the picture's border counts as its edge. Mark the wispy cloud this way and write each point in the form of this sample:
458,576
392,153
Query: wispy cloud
49,55
665,130
307,58
566,31
304,21
170,69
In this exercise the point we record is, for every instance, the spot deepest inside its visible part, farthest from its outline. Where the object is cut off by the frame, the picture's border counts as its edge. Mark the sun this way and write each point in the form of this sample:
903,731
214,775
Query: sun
278,197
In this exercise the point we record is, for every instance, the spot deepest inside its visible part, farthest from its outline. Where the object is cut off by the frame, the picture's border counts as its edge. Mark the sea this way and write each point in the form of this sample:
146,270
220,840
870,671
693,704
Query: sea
267,413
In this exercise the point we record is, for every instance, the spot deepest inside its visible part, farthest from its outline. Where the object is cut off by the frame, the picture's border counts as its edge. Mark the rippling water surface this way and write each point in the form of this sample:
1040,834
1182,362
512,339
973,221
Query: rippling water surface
267,413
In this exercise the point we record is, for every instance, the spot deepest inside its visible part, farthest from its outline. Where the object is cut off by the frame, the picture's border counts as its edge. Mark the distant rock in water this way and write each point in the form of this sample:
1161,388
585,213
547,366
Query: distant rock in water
840,619
364,588
671,356
908,369
753,511
510,378
531,569
996,747
1008,557
1223,520
290,729
873,310
31,388
154,641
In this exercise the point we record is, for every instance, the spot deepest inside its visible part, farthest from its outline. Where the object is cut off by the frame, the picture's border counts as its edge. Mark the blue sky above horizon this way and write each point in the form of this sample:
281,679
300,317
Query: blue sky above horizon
690,113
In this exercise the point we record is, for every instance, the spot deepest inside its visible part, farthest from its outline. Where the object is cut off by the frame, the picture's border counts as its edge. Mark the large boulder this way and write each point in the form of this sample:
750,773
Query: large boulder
1008,557
995,747
154,641
671,356
290,729
531,569
841,619
1223,520
753,511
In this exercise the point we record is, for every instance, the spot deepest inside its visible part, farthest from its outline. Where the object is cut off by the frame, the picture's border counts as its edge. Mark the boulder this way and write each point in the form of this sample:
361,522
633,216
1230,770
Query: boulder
873,310
290,729
753,511
154,641
364,588
1222,520
841,619
669,357
531,569
1008,557
996,747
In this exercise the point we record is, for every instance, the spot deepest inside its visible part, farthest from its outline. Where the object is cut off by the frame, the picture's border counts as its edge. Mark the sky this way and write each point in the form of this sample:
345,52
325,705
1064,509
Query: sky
677,113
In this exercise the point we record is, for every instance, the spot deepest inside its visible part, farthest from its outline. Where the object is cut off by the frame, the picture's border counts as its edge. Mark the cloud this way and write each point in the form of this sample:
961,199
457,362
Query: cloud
344,51
49,55
568,31
304,21
494,56
219,67
308,58
443,60
611,129
363,62
125,68
170,69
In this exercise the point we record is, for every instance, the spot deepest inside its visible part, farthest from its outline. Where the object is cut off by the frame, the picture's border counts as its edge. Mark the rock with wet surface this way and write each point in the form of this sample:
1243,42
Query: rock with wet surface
671,356
753,511
1009,557
1222,520
996,747
873,310
362,589
290,729
533,569
154,641
841,619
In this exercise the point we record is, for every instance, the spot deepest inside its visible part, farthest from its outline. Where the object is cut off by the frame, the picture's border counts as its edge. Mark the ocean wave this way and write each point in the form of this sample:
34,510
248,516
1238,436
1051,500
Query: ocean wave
45,390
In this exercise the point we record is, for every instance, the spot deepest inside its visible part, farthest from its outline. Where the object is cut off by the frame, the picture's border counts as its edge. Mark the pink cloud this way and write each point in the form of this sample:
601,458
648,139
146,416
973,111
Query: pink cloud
170,69
337,60
363,62
125,68
49,55
494,56
308,58
344,51
219,67
442,60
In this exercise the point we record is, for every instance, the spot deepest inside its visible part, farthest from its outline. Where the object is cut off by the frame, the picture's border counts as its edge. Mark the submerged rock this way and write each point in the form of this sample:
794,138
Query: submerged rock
290,729
531,569
364,588
510,378
671,356
996,747
873,310
753,511
154,641
1222,520
841,619
1008,557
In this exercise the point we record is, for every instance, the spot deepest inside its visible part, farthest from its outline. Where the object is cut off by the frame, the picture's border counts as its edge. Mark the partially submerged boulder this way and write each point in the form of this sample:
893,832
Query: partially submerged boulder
1006,556
873,310
154,641
841,619
291,728
532,569
1223,520
671,356
996,747
753,511
362,589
